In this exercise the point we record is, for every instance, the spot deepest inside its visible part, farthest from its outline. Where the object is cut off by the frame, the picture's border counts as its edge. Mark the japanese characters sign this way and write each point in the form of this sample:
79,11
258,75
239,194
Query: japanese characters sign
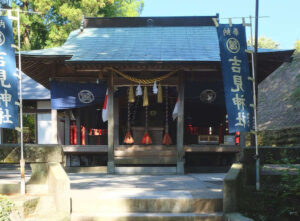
235,70
8,80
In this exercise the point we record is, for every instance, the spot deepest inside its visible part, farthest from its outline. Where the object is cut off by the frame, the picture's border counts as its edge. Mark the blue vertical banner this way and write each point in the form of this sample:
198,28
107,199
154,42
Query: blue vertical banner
8,81
235,71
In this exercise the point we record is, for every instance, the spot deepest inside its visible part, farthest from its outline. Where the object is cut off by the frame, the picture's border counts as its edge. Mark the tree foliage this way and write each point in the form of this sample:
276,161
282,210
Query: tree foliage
264,42
55,19
297,47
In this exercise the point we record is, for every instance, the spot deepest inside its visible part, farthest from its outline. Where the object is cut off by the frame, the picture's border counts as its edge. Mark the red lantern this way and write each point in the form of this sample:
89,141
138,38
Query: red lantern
128,138
146,138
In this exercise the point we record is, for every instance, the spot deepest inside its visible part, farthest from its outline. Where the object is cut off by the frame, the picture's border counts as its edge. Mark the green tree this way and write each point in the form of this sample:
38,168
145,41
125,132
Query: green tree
264,42
55,19
297,47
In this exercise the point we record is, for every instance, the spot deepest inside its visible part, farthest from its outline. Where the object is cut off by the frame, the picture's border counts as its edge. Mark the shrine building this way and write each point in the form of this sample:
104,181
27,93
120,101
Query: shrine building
165,100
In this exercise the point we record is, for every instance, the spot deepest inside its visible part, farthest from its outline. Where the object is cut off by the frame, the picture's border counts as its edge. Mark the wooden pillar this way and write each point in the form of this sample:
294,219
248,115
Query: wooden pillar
67,127
0,135
54,126
240,156
78,127
116,122
110,126
243,139
180,125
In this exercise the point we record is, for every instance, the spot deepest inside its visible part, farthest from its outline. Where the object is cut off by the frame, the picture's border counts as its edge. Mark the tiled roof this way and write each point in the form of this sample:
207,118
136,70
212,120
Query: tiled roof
32,90
190,43
196,43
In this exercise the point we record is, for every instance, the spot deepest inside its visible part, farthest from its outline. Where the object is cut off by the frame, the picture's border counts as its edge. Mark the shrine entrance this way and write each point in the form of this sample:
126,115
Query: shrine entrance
149,135
147,131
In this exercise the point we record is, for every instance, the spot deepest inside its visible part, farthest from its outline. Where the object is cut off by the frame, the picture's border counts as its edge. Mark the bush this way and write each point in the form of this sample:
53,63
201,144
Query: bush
6,208
277,200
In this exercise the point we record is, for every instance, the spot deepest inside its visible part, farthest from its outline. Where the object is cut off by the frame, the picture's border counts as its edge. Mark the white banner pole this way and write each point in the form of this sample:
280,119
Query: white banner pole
19,74
255,110
22,161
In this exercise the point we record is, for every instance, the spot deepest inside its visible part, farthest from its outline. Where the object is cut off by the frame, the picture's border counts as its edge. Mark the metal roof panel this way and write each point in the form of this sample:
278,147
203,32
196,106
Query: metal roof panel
171,43
194,43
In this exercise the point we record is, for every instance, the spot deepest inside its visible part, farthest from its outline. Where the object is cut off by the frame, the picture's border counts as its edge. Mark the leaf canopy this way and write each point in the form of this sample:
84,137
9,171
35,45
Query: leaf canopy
55,19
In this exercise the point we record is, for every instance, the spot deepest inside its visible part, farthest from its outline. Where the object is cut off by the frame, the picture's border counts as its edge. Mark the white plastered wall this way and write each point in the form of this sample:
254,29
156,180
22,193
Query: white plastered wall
47,128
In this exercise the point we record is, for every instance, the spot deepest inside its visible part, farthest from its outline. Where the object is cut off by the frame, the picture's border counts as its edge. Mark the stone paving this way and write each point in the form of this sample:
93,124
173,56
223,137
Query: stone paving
141,197
12,176
147,186
135,186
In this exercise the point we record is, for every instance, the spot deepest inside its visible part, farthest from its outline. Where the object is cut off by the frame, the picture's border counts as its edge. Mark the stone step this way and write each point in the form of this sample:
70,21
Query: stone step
150,160
145,170
96,169
147,216
36,189
143,200
57,216
32,205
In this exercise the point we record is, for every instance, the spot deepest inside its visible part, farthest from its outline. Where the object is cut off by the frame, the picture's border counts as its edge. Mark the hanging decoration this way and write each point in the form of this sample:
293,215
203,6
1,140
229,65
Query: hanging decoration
146,100
175,110
146,138
128,137
155,88
104,109
135,107
142,80
167,138
138,91
159,94
131,98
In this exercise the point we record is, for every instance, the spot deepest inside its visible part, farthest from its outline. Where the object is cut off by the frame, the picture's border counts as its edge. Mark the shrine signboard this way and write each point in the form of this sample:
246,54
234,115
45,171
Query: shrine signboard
235,71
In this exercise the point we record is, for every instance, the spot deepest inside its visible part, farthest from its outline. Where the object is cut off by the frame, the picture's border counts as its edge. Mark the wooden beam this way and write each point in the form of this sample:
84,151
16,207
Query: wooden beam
212,149
110,103
180,125
67,127
171,81
85,149
77,79
145,160
146,66
146,154
161,69
143,148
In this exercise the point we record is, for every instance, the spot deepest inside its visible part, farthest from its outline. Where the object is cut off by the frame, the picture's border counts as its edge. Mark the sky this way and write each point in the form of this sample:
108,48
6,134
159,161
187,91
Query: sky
282,24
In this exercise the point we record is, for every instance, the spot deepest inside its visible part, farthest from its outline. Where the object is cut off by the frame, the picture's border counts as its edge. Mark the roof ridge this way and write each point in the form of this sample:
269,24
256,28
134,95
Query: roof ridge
149,21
